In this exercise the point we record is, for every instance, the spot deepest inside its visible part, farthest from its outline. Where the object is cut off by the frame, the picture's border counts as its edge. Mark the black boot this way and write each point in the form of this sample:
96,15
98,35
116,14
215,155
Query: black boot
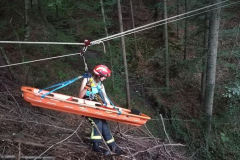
96,148
115,149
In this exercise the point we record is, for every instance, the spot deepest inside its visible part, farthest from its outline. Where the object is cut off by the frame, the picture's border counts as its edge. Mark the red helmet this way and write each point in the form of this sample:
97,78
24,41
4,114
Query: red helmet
102,70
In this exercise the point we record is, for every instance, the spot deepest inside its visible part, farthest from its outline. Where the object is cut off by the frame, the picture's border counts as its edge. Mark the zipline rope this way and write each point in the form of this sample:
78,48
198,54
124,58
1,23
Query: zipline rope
27,42
38,60
138,29
120,35
141,28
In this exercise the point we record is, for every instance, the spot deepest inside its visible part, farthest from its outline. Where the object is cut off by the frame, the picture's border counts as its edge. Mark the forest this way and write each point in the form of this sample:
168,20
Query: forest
176,61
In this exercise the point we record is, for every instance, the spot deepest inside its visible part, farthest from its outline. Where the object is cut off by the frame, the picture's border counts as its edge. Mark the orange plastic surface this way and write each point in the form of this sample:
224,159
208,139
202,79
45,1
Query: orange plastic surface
80,106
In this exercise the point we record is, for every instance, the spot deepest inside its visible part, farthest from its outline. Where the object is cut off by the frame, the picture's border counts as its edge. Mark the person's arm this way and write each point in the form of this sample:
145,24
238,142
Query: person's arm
108,101
105,95
82,90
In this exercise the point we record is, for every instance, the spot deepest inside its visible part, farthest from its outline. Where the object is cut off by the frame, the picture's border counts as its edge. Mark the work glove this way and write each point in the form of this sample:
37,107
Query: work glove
88,86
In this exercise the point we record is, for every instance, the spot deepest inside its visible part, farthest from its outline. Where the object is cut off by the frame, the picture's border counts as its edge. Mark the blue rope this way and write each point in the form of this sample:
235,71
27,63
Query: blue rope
61,85
101,95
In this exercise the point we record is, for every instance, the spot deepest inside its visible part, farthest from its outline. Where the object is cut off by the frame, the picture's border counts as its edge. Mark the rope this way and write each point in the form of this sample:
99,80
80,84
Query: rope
141,28
86,44
61,85
138,29
102,96
172,21
15,64
122,33
82,53
24,42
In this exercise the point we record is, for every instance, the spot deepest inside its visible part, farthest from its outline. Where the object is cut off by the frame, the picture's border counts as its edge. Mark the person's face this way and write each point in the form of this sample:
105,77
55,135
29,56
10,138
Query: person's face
102,78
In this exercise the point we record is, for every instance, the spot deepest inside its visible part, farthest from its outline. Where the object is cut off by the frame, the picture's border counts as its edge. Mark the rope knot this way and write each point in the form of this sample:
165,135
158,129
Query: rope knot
87,42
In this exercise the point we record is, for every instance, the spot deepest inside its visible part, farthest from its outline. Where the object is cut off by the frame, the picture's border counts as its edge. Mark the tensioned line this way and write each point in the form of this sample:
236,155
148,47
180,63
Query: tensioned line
38,60
113,36
120,35
28,42
154,23
116,35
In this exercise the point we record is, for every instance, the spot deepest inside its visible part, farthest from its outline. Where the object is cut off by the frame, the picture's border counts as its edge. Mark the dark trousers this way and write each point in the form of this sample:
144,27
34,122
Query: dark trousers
104,130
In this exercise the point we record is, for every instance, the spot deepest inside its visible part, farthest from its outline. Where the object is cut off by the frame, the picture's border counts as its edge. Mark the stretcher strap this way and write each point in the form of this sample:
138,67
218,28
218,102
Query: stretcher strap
101,94
61,85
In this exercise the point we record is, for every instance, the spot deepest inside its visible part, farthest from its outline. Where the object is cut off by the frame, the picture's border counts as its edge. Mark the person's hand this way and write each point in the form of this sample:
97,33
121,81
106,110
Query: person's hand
88,86
119,109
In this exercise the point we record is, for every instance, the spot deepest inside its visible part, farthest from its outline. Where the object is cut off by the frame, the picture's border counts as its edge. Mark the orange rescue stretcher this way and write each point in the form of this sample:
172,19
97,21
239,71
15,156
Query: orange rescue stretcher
80,106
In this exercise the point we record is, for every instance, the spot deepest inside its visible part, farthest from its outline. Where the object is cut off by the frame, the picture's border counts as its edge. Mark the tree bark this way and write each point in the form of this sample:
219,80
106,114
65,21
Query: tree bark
185,32
124,54
166,44
133,26
205,51
211,68
177,21
26,19
4,61
108,43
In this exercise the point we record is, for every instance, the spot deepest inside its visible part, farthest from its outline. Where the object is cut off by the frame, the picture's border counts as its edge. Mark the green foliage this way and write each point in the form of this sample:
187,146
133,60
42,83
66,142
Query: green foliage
3,27
229,32
41,78
225,135
233,95
62,75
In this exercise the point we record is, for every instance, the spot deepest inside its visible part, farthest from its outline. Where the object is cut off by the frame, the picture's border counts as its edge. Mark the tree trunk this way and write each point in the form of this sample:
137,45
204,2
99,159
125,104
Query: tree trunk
57,10
211,68
38,12
26,19
108,43
133,25
4,61
205,51
177,21
185,32
166,44
124,54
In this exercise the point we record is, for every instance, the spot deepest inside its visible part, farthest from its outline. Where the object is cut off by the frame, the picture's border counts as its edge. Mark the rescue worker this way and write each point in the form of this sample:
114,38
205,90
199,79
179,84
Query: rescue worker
90,89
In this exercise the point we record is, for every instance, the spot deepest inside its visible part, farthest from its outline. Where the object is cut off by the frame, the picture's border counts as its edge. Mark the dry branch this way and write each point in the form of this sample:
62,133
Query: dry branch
157,146
20,140
47,130
25,157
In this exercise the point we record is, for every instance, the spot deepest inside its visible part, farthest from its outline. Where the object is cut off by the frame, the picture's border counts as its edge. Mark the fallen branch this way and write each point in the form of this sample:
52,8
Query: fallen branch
25,157
60,141
165,129
20,140
177,144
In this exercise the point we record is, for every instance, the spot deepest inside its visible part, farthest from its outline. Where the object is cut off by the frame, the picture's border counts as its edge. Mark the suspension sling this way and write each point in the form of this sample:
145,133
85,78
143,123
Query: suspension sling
66,83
